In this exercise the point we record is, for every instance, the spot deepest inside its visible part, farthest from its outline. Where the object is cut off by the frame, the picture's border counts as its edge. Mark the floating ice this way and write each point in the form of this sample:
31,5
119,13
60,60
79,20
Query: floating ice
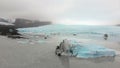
82,50
23,42
41,41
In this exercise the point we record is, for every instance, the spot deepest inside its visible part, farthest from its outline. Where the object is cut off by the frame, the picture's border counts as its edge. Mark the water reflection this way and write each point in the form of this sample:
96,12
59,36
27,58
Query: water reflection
65,61
101,59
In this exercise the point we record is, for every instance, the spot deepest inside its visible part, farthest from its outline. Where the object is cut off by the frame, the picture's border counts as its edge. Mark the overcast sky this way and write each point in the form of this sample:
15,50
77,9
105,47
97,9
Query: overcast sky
90,12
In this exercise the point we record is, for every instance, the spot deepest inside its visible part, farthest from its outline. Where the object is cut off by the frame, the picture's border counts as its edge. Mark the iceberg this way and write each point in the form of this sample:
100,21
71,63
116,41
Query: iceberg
82,50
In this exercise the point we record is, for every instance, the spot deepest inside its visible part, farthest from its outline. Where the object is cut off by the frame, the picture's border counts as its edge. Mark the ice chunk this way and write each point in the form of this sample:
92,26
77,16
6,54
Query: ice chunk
23,42
41,41
82,50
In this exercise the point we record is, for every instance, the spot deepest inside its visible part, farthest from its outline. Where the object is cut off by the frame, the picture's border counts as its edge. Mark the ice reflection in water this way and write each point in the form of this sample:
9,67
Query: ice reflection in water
65,61
102,59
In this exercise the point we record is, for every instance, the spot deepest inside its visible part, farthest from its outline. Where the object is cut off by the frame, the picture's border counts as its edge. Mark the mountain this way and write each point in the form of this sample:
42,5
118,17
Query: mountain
24,23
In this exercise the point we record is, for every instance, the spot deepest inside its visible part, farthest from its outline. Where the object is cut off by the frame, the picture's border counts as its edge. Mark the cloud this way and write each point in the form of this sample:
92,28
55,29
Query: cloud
101,12
56,10
34,8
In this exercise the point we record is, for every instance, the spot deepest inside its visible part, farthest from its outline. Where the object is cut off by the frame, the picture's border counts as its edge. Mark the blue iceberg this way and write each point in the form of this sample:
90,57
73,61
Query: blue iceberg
81,50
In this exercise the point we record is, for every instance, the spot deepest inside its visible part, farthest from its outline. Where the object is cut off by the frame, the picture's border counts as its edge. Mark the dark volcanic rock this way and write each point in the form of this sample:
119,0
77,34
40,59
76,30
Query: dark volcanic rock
24,23
7,29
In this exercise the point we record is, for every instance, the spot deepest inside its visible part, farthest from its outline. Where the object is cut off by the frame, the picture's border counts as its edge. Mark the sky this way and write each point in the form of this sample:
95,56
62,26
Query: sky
69,12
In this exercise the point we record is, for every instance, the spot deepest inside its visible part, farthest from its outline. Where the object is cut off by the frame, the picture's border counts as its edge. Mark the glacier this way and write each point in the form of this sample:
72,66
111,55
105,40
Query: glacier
71,29
81,31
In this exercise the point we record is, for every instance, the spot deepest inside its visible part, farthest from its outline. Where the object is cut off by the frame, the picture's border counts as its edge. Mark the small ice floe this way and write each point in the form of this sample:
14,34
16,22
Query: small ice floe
41,41
26,42
31,42
117,53
23,42
82,50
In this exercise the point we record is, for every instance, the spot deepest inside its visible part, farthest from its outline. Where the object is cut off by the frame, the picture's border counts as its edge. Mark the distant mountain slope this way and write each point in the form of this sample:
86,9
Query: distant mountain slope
24,23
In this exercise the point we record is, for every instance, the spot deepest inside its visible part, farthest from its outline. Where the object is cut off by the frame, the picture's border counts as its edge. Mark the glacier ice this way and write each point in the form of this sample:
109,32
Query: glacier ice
48,29
80,31
82,50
